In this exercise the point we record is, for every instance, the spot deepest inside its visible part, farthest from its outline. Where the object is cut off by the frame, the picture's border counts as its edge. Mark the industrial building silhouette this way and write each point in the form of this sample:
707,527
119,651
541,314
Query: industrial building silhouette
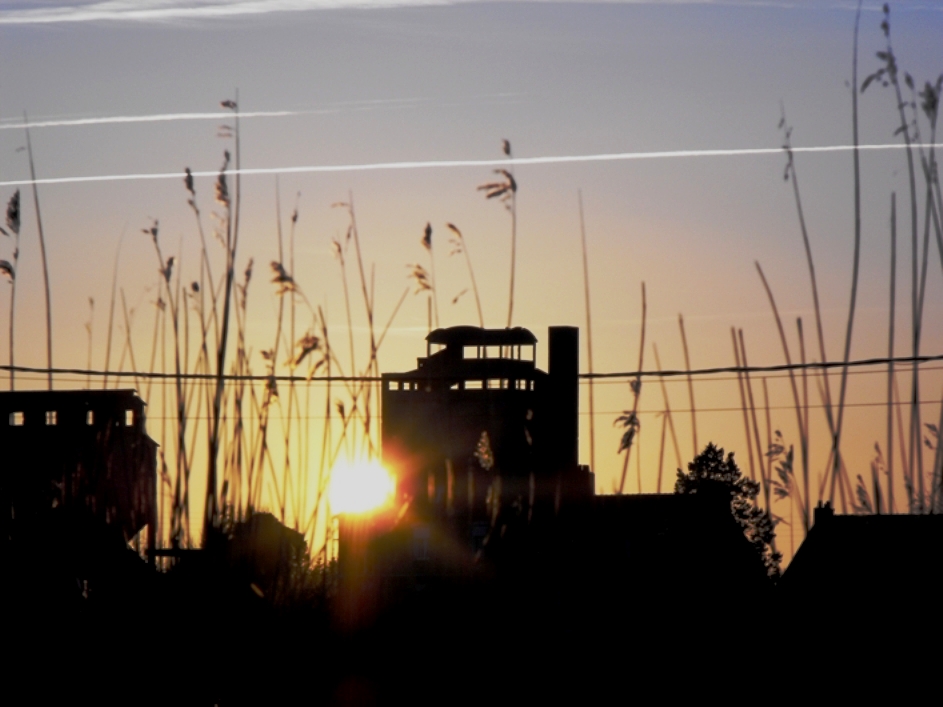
476,410
484,447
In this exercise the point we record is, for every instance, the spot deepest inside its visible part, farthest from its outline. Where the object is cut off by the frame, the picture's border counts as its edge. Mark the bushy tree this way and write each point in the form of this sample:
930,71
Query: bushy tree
710,473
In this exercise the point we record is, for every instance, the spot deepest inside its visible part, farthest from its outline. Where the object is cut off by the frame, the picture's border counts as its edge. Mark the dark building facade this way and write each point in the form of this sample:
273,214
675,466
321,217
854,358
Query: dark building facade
867,561
476,413
79,451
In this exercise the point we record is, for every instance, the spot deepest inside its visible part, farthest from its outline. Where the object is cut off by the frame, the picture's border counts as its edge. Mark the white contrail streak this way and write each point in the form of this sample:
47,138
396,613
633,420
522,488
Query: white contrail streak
164,10
169,10
434,164
159,118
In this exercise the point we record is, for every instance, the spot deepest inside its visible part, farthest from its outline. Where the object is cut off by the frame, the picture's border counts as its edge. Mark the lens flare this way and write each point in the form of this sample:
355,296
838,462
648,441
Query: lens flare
360,487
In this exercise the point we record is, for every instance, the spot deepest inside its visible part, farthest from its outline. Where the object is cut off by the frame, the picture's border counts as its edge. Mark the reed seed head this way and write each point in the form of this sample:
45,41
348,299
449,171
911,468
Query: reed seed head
427,237
222,189
13,214
421,276
153,230
188,181
282,279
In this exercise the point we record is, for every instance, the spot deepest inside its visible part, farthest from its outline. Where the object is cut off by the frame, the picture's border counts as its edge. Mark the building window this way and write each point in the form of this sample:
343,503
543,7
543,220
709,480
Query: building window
129,418
51,417
16,419
90,417
474,385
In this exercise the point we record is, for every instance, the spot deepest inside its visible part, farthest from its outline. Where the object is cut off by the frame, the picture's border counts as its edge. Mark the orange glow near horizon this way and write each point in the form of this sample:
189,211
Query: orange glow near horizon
361,486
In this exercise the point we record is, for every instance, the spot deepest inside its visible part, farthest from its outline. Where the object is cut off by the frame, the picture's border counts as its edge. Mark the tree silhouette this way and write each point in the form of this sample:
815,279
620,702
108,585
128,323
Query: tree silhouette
711,474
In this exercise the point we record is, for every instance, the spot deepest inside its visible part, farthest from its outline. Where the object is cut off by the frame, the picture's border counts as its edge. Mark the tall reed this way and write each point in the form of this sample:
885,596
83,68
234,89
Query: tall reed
42,251
589,342
434,293
232,241
836,443
506,191
629,419
460,246
11,269
667,409
803,442
890,356
687,365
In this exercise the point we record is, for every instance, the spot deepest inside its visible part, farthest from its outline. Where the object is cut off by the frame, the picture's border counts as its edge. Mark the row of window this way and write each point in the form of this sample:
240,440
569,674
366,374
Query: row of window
519,352
487,384
18,419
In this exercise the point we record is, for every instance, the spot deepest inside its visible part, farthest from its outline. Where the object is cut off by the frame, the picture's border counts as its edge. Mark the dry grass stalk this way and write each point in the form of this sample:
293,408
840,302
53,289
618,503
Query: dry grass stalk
761,457
460,246
743,401
667,411
42,251
791,175
629,419
836,438
433,291
211,507
687,365
803,441
589,343
506,191
890,355
11,270
889,75
804,424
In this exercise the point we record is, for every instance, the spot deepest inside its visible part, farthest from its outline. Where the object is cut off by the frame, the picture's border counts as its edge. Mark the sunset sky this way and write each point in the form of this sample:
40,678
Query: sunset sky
380,83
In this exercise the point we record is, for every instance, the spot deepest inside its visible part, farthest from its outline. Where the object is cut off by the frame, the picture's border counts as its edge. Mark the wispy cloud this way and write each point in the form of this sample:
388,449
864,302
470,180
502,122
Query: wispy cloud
337,107
162,10
158,118
21,13
440,164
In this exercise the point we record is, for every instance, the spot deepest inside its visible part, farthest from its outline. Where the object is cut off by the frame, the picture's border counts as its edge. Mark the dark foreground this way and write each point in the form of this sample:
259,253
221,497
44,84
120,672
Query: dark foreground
223,628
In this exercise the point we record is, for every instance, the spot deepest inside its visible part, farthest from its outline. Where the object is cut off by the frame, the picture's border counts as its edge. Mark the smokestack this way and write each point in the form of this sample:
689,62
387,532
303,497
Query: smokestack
563,368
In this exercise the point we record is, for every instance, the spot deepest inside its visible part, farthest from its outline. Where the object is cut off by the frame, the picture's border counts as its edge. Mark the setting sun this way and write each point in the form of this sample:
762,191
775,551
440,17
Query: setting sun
360,486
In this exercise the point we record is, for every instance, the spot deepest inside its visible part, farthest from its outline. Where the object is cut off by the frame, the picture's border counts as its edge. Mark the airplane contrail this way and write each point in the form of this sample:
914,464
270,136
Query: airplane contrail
163,10
160,117
357,105
440,164
168,10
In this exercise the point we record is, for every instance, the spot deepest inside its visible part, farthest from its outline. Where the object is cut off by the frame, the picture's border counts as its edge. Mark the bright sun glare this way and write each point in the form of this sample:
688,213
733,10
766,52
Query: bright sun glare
360,487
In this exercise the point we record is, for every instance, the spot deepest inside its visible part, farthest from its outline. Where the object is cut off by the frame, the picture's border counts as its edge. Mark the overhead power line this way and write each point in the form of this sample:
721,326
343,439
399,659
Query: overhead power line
585,376
766,369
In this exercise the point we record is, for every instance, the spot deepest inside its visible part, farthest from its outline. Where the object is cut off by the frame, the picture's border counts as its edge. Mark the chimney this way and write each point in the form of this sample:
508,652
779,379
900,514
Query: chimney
823,513
563,368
